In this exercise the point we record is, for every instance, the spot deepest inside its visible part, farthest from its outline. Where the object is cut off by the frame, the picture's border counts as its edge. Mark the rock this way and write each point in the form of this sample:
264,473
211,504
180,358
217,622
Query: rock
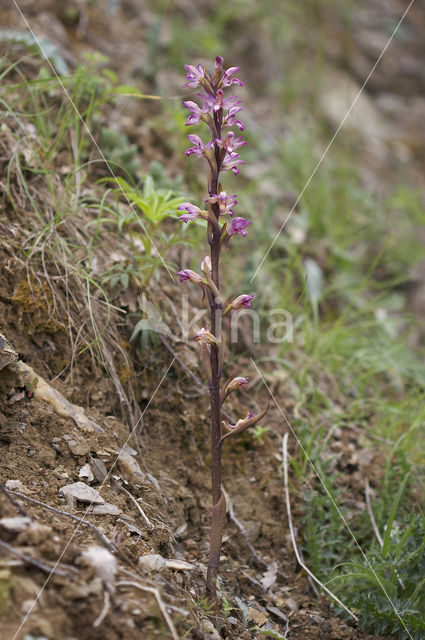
130,526
155,562
277,613
99,469
8,354
82,492
14,485
258,616
209,628
130,467
44,391
152,562
105,509
78,448
104,563
15,524
86,472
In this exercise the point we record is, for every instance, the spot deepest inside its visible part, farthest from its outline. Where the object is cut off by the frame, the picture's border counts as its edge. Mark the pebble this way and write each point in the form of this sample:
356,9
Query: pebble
14,485
105,509
86,472
78,448
15,524
82,492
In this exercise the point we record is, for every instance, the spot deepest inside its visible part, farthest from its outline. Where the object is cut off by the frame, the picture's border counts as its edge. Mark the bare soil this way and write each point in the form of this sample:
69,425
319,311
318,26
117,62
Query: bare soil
52,593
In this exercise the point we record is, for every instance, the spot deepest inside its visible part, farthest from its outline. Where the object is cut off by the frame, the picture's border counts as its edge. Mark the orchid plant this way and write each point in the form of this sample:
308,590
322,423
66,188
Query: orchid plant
220,115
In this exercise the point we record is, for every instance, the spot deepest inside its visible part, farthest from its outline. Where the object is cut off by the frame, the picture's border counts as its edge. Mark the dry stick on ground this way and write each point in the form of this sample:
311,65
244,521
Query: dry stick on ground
133,499
47,568
292,533
155,592
17,506
374,525
105,609
104,540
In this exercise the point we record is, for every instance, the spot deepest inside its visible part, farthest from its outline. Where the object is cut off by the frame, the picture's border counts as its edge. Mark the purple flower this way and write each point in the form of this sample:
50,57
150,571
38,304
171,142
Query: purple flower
193,212
229,119
238,225
194,75
243,300
198,115
225,82
199,148
188,274
230,161
225,202
211,101
230,143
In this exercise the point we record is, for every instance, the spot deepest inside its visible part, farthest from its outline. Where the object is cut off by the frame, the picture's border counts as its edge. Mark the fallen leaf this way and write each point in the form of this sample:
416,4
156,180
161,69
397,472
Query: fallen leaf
269,576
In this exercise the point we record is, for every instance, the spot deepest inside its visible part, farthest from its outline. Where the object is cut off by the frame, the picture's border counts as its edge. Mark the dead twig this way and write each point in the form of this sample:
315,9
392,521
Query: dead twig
133,499
155,592
105,610
36,562
17,506
103,539
292,533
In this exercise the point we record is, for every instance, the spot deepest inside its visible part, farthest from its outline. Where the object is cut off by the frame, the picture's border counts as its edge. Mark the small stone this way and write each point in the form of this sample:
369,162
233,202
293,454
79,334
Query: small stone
28,605
15,524
258,616
152,562
14,485
82,492
105,509
130,467
71,502
99,469
86,472
209,628
60,473
78,448
130,526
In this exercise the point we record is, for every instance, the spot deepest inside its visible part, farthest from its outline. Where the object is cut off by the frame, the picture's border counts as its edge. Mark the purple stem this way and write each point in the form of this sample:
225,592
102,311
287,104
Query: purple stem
216,310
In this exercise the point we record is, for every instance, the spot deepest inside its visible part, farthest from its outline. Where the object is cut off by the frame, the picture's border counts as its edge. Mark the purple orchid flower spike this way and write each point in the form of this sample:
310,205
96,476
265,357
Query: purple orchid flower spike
218,113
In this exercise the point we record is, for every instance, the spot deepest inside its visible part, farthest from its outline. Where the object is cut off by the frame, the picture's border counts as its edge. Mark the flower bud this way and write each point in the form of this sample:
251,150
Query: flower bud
206,265
243,300
235,383
188,274
204,336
